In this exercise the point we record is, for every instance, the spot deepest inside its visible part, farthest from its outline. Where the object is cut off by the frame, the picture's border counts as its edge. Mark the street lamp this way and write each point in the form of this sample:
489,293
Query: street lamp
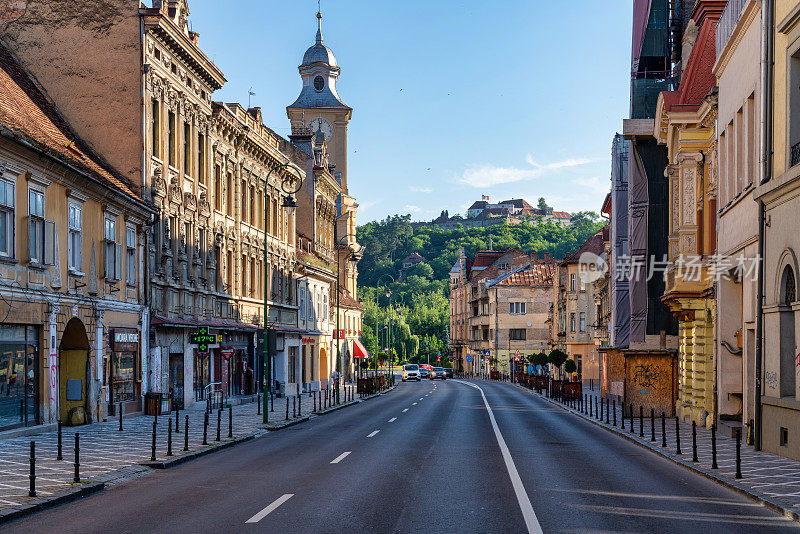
290,205
353,258
389,297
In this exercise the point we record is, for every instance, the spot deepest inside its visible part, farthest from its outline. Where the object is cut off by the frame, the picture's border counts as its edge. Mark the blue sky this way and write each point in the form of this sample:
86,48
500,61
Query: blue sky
451,99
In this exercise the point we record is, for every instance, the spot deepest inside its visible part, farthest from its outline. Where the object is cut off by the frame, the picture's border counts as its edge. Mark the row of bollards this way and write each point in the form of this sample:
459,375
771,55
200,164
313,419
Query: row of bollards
587,405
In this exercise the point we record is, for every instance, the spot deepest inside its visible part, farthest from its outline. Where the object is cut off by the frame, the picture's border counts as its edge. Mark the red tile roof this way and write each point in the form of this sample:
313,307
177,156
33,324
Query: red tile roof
347,301
561,215
594,245
30,117
485,258
538,274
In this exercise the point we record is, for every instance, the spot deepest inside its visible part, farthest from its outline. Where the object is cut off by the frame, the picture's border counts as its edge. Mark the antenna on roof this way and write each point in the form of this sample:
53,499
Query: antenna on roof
249,94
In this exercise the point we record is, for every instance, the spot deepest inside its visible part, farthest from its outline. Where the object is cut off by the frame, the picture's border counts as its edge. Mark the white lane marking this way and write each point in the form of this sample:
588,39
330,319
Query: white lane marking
405,410
271,508
519,489
372,433
413,404
341,457
393,419
420,398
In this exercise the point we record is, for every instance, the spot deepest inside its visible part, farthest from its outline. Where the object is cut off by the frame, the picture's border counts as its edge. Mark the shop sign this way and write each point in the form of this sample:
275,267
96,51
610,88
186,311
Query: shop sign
125,340
226,352
203,339
309,340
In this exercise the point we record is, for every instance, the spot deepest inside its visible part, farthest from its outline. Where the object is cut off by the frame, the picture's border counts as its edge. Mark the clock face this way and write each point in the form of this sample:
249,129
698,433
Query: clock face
322,124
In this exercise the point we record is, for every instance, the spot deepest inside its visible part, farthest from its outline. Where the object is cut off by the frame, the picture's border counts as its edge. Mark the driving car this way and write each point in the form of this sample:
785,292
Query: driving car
437,372
423,373
448,372
411,372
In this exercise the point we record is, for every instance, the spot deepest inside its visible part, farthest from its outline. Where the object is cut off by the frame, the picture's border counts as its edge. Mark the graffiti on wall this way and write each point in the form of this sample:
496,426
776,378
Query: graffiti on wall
646,375
771,378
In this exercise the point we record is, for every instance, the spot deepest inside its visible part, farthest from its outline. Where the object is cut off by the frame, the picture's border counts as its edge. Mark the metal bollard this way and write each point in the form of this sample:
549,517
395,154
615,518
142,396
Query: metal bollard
294,406
32,475
622,414
630,417
713,446
169,437
186,433
230,421
652,424
738,453
77,477
600,414
590,409
641,421
663,431
177,420
287,407
607,411
120,417
614,408
259,404
153,447
315,401
677,435
219,423
205,429
58,452
694,442
155,417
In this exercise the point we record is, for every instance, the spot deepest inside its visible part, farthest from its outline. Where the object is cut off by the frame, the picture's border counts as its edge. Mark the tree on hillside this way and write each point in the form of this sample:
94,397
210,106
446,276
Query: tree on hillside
542,203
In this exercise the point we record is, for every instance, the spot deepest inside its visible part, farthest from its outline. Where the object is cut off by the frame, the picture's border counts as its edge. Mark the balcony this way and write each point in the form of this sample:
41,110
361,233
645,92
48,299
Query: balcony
727,23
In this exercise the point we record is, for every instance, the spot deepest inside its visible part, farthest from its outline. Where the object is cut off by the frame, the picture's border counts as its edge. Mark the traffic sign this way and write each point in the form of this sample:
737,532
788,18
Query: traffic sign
469,358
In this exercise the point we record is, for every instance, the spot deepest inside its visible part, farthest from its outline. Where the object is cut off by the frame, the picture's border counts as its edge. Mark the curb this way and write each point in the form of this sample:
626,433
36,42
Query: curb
757,496
61,498
172,462
288,424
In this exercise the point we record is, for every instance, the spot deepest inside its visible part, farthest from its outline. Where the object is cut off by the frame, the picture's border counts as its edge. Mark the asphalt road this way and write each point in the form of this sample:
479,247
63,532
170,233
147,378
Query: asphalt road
424,458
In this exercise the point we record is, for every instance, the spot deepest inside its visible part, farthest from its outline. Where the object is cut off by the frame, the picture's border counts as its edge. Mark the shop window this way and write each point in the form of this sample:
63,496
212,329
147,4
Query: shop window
6,218
130,255
19,376
292,364
74,238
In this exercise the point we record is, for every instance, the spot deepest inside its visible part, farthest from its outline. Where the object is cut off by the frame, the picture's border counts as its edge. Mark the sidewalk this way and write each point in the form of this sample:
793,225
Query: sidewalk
108,456
770,479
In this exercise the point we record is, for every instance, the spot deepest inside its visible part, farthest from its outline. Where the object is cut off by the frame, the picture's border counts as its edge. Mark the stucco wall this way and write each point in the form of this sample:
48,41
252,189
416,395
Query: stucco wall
87,55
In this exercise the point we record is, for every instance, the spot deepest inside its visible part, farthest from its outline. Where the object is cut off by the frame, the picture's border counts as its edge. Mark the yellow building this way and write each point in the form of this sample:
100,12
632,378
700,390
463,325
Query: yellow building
72,239
685,121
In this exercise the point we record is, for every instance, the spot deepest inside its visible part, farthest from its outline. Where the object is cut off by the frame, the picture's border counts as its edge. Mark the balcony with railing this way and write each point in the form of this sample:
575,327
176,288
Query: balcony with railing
727,23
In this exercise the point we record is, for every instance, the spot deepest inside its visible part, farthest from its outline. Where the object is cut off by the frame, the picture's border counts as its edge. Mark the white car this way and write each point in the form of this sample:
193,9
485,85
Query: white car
411,372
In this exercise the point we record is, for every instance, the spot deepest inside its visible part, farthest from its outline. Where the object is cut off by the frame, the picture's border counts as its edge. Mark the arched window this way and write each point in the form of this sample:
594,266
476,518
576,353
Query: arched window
788,345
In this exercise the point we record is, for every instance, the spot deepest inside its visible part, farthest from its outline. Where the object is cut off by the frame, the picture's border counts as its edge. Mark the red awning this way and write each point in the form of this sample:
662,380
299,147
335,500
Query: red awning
359,351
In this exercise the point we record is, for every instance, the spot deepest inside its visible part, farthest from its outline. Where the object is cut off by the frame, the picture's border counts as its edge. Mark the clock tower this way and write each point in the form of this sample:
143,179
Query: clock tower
319,107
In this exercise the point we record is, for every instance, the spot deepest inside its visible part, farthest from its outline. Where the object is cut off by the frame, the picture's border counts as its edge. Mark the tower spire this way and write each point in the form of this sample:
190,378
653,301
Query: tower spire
319,23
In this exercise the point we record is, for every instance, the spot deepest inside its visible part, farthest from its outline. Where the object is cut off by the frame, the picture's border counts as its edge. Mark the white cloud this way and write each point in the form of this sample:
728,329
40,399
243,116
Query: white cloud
594,184
484,176
369,204
415,189
413,209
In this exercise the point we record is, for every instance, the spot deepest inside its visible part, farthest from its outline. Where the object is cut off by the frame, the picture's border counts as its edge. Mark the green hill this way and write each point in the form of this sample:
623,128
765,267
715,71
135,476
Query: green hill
420,326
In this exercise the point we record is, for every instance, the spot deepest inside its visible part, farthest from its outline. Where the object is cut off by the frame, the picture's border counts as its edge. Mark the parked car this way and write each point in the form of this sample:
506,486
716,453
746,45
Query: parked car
423,373
411,372
437,372
448,372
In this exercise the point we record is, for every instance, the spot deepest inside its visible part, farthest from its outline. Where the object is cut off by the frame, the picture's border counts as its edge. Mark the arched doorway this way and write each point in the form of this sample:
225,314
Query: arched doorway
788,345
73,359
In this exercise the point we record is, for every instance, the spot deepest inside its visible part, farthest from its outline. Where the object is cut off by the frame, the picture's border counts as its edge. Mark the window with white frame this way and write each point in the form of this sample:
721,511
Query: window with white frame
517,308
130,255
36,226
582,323
110,248
6,218
75,220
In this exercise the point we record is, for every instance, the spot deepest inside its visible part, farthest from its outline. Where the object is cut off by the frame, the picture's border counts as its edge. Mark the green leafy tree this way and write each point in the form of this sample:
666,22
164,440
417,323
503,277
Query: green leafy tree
570,367
557,357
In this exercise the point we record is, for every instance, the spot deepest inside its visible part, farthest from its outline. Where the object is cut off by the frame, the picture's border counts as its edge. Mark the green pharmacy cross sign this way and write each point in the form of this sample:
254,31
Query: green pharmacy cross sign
203,339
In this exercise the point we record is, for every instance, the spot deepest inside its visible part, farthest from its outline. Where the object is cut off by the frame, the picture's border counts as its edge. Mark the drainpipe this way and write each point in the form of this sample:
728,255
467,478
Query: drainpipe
767,58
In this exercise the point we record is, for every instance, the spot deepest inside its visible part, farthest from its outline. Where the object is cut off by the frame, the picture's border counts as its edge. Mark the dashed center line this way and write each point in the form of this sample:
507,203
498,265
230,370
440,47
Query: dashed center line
405,410
371,434
393,419
266,511
341,457
413,404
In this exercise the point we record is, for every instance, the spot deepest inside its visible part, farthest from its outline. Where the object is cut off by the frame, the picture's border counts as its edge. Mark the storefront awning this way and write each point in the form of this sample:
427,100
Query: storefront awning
359,351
